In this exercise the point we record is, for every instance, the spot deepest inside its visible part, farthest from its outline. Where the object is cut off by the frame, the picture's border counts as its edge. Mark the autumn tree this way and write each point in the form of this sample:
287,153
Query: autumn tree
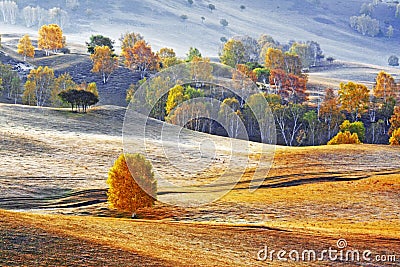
104,62
99,40
344,138
141,58
354,99
329,112
39,85
244,69
292,63
25,47
131,184
395,138
168,57
354,127
129,39
232,53
385,87
175,96
230,116
274,59
50,38
290,87
394,120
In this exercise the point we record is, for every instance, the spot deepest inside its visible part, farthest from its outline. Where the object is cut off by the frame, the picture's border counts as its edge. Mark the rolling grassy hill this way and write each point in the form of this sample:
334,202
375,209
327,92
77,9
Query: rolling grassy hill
160,22
56,162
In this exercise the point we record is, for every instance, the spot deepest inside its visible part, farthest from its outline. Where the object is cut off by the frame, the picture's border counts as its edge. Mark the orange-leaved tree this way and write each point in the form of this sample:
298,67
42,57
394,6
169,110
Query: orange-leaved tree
131,183
330,112
104,62
25,47
140,57
385,87
50,38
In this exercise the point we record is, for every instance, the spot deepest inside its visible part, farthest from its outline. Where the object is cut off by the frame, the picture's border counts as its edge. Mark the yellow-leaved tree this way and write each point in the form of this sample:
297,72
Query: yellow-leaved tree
131,184
104,62
50,38
354,98
395,138
25,47
38,86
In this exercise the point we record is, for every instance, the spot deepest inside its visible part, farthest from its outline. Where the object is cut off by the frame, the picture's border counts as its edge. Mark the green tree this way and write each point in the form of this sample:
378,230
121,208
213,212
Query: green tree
304,52
344,138
99,40
355,127
131,184
232,53
193,53
78,98
63,82
168,57
312,124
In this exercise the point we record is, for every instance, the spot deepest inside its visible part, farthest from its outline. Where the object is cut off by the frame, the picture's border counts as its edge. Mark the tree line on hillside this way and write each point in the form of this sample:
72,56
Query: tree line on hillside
279,70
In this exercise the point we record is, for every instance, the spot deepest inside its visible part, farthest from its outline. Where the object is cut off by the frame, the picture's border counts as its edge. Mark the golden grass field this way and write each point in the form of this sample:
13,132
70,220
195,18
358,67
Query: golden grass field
52,179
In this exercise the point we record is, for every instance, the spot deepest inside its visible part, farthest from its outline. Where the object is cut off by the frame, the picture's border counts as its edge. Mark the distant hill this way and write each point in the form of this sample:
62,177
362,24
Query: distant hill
162,24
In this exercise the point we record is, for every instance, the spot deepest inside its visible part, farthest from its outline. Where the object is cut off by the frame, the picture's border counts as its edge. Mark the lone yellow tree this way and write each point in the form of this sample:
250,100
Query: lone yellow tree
50,38
131,183
25,47
104,62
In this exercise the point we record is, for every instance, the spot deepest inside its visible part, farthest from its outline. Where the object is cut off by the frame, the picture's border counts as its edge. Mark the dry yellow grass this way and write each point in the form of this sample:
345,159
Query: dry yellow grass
311,197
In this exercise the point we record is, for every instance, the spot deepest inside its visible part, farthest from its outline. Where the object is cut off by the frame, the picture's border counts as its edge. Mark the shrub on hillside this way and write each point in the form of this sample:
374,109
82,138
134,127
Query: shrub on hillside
365,25
131,183
344,138
395,138
393,60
